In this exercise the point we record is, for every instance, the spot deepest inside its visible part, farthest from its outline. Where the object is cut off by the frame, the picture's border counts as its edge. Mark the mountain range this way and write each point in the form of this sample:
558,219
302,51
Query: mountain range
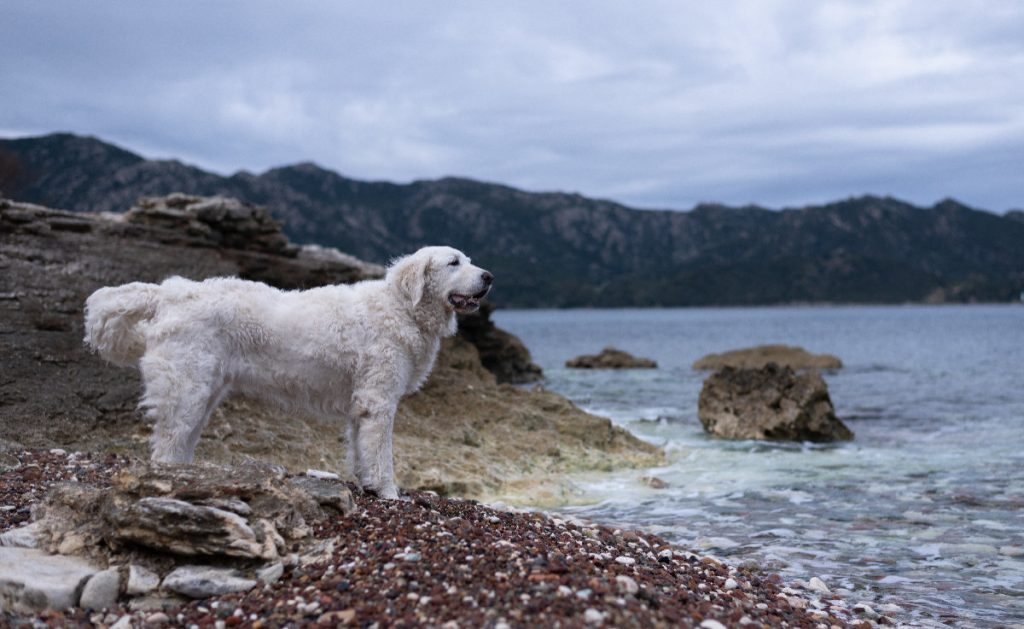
562,250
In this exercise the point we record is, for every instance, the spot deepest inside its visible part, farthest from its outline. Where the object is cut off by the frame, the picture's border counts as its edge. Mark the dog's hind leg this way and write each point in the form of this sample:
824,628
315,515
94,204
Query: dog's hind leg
182,390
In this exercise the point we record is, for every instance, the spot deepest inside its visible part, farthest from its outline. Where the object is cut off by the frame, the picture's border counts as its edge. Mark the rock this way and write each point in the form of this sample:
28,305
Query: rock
626,585
463,433
818,585
337,618
626,561
654,482
182,528
205,581
31,580
157,618
757,357
610,358
592,616
322,475
332,494
22,537
711,624
151,513
101,590
730,584
141,580
501,353
124,622
772,403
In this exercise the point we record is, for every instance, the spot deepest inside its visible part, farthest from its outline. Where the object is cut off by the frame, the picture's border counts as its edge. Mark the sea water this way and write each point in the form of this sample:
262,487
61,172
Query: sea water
923,509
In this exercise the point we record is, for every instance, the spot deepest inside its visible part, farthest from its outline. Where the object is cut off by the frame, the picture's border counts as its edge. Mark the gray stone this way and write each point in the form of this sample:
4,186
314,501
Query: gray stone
330,493
183,528
31,580
101,590
204,581
774,403
141,580
155,603
21,537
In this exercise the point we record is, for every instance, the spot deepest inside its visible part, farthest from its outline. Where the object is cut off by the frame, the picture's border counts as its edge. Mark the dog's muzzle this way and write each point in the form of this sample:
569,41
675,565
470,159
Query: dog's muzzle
467,303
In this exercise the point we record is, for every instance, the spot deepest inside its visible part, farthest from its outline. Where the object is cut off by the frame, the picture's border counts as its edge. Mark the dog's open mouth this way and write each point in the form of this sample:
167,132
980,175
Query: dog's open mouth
467,303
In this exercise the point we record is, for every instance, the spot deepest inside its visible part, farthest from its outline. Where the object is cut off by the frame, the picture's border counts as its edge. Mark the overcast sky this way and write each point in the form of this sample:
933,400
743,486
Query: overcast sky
656,104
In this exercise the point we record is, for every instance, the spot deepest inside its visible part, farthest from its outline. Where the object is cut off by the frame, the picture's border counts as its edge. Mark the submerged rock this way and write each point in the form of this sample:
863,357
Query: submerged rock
772,403
610,358
756,357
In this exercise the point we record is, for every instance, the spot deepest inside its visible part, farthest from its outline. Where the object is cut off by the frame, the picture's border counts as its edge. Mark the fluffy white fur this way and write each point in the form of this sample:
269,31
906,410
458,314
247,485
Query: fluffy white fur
347,351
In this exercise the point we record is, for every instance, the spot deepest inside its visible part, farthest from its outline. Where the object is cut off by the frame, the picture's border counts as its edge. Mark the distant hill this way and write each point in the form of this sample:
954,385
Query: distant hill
556,249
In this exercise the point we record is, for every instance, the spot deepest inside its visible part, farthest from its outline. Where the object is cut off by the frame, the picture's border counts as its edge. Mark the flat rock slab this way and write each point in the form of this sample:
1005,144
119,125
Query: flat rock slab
204,581
761,355
31,580
331,493
610,358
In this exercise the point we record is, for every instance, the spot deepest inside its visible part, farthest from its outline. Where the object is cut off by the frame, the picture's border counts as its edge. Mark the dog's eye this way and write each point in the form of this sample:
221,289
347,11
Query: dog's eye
454,262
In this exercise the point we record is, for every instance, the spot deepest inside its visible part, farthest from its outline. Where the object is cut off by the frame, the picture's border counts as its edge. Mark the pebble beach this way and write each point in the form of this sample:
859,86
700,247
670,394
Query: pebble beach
434,561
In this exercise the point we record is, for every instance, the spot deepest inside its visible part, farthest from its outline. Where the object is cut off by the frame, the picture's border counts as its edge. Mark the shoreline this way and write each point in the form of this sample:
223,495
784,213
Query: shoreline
455,563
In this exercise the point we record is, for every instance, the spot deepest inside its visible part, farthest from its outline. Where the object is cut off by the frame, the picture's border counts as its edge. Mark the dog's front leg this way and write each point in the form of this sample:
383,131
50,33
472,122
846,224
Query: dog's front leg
374,462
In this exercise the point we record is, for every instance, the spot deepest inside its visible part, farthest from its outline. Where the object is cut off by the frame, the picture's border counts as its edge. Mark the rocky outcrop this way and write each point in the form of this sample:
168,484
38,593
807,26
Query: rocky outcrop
610,358
464,433
771,402
501,353
208,529
761,355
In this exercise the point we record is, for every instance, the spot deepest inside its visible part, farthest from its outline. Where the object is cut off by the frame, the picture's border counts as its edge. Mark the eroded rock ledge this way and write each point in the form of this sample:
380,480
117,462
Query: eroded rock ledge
464,434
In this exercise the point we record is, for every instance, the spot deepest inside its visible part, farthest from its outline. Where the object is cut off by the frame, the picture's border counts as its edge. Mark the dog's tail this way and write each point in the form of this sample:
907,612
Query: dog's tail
112,316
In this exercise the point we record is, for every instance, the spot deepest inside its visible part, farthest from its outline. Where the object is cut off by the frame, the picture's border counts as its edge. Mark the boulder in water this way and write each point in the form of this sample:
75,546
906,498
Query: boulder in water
611,358
771,402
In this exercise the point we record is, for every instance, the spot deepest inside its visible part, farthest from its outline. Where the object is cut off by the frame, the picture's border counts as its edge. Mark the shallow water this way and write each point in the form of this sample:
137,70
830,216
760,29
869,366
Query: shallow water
924,509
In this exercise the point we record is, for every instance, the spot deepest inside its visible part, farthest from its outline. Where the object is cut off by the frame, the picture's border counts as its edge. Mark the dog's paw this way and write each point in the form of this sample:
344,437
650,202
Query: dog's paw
388,493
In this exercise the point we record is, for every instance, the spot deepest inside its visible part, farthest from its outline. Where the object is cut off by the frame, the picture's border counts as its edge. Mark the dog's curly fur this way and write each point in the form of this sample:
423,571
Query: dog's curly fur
347,351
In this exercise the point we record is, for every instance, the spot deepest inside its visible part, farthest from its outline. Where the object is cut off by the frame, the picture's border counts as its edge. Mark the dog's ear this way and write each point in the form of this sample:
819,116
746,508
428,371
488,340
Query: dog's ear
409,274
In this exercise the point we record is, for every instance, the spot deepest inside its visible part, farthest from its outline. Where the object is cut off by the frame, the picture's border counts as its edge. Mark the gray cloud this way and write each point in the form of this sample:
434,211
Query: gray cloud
660,104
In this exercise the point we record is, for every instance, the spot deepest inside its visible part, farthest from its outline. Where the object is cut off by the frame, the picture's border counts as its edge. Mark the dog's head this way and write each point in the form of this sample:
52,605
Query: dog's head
440,275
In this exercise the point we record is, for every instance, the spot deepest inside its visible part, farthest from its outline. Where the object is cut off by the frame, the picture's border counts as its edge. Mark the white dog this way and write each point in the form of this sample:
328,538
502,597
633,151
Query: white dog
347,351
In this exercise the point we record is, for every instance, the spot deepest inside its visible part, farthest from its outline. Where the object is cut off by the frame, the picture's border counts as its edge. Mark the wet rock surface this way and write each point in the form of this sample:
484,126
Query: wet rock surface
610,358
465,433
429,561
772,402
762,355
501,353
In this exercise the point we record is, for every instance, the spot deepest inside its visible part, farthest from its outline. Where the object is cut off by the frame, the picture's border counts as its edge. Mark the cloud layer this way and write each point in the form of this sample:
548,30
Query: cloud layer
658,104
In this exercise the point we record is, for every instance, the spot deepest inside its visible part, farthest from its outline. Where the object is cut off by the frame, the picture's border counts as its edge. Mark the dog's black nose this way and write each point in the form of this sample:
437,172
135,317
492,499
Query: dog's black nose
487,278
